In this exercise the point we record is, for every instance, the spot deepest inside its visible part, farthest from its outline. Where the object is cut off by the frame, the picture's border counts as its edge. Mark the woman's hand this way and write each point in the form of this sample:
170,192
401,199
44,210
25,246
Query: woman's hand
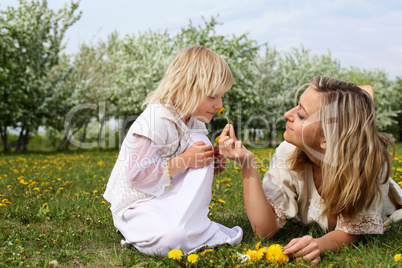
305,247
310,248
232,148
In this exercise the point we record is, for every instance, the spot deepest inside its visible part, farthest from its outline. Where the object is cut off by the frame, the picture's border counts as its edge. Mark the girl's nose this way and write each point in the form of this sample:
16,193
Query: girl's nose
219,103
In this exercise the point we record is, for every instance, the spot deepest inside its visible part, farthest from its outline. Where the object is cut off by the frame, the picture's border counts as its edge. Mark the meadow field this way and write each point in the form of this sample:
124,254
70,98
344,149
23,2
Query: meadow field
52,214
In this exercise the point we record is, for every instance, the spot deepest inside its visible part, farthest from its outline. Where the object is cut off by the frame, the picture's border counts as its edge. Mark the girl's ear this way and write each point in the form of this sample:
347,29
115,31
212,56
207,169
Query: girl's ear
323,143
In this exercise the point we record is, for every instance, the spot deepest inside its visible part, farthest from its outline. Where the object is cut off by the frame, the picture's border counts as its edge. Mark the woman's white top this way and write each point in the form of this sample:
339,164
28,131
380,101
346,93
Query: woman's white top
293,195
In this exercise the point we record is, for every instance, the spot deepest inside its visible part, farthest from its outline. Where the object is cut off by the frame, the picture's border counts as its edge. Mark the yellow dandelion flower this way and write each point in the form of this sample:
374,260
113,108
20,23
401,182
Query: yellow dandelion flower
103,202
275,254
95,191
261,253
221,201
397,257
206,251
253,254
221,111
44,205
175,254
192,258
61,188
216,141
5,201
36,189
257,246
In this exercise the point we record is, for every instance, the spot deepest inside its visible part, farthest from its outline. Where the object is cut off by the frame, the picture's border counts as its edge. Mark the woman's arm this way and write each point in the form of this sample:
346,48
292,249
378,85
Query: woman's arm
259,211
311,249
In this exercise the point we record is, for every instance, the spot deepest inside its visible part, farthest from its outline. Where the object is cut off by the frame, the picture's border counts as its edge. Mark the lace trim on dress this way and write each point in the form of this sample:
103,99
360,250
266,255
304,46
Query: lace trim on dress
362,224
314,212
280,217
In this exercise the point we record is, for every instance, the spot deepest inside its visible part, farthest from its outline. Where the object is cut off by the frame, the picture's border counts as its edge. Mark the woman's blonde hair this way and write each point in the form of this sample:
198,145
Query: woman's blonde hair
194,74
356,159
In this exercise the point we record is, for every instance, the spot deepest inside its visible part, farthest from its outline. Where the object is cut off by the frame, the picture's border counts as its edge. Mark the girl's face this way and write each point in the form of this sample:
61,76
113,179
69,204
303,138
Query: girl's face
208,108
303,128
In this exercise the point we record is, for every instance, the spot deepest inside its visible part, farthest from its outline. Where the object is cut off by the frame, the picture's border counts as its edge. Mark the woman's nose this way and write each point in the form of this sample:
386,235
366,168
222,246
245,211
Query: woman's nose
289,115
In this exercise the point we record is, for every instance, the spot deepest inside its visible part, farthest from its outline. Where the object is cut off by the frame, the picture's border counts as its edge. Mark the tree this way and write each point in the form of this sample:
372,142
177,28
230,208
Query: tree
387,95
31,42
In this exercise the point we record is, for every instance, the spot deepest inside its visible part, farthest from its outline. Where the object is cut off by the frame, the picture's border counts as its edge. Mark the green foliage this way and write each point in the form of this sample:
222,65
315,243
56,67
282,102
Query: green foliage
31,43
387,95
110,80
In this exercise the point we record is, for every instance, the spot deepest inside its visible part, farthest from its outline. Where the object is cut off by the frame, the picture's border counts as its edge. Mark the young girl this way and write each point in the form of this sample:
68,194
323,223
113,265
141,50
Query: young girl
332,169
160,186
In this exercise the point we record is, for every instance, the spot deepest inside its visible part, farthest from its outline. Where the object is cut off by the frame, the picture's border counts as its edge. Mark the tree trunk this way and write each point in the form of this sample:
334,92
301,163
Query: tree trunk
102,123
3,133
25,140
269,138
20,138
84,134
65,138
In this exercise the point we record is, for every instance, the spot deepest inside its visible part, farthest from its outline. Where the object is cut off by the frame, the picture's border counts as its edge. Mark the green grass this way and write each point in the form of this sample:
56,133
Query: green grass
52,209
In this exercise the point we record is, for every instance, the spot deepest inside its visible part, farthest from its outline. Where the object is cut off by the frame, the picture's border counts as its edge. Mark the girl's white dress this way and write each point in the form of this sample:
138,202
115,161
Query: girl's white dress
175,217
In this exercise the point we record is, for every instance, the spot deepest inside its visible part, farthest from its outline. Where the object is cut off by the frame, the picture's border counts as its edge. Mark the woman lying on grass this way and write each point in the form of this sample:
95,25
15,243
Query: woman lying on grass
332,169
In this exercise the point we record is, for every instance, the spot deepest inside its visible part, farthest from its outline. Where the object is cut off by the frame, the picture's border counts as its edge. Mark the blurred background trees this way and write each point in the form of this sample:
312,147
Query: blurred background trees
90,98
30,45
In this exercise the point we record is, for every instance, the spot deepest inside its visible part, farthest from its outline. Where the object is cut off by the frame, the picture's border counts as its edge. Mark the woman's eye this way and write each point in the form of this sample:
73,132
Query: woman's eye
300,116
211,97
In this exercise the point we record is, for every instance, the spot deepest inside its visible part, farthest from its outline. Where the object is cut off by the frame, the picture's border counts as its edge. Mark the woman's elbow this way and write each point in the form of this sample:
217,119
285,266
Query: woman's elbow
267,232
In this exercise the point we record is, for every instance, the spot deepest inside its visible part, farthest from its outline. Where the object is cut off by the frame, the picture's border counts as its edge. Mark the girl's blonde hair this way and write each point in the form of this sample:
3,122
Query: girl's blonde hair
356,160
194,74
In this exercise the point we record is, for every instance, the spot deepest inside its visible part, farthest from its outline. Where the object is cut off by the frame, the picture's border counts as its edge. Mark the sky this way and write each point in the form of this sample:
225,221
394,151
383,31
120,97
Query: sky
362,33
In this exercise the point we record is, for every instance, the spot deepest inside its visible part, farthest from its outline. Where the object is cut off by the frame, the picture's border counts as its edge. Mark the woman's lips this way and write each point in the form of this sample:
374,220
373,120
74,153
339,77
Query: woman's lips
287,127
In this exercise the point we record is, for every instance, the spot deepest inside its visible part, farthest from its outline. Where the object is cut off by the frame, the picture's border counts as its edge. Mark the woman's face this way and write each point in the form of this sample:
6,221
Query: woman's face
303,128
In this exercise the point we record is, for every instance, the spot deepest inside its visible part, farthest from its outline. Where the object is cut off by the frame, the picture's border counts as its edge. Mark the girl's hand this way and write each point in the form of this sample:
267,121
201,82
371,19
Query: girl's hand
306,247
220,162
232,148
198,155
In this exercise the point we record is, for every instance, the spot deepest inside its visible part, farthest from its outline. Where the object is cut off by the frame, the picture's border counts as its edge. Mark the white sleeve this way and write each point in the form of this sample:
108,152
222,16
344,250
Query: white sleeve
146,171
